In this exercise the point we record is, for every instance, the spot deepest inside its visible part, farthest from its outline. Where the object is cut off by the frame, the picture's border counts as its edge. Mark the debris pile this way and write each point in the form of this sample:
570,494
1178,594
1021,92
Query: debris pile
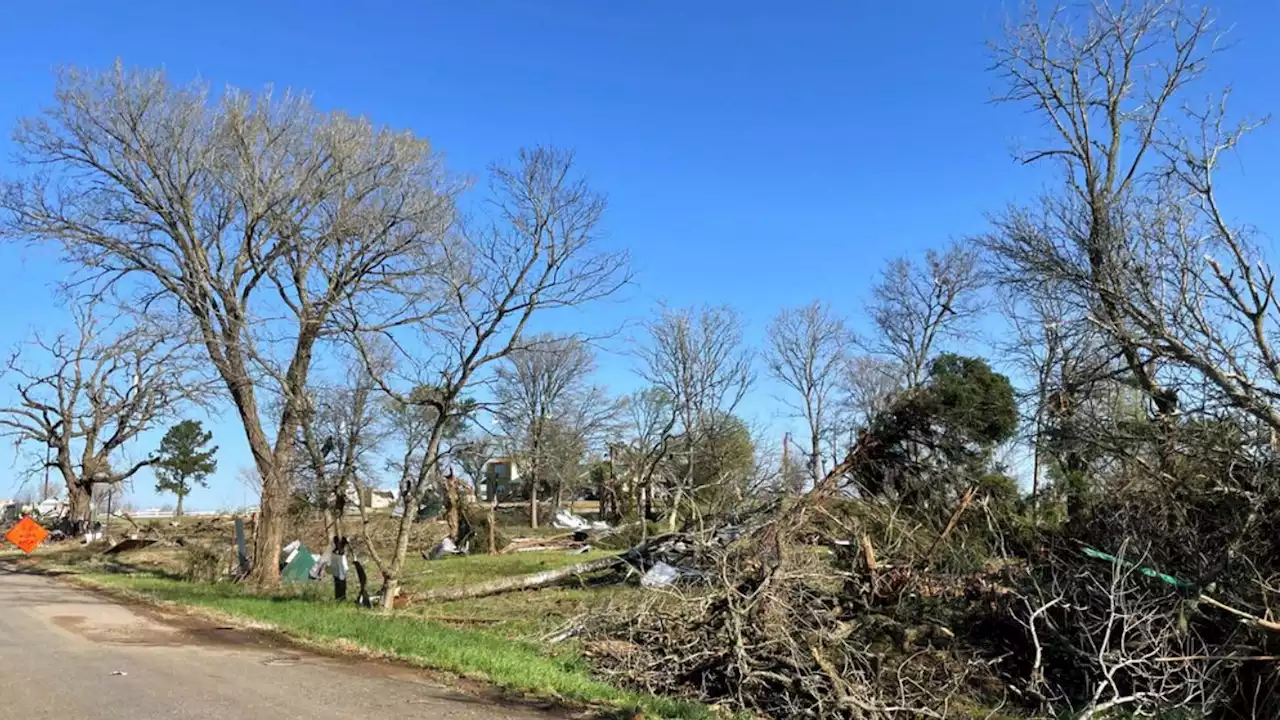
827,607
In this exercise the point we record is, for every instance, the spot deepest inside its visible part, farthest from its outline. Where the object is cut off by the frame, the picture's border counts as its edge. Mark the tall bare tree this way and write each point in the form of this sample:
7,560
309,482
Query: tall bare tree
914,306
808,351
1108,90
82,396
697,359
259,219
538,251
546,406
1136,242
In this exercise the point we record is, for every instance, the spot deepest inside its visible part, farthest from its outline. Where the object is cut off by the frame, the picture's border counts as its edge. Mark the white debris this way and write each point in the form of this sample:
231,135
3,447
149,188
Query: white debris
568,521
445,547
659,576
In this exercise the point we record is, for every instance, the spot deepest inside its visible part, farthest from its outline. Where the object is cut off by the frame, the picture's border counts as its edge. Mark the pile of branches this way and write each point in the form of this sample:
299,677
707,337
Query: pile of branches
890,623
771,626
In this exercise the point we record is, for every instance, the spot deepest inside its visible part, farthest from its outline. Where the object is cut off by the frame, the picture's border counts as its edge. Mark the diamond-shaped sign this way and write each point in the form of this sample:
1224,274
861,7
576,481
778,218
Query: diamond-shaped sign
27,535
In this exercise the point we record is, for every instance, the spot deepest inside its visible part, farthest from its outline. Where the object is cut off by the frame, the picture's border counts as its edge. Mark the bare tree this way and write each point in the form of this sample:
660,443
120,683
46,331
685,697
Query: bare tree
1121,242
261,220
868,385
338,438
697,359
546,406
649,416
539,252
916,306
808,350
83,396
250,480
471,454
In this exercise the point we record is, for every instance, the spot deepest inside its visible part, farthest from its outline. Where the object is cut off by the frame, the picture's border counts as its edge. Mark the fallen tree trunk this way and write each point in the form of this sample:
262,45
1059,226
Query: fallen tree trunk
523,582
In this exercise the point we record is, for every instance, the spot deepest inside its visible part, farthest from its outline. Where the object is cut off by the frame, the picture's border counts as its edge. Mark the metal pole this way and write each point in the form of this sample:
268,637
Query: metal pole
44,491
106,526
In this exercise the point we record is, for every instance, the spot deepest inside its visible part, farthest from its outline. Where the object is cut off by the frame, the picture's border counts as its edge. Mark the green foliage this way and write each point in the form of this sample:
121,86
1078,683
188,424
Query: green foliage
184,460
968,396
723,460
938,437
1002,490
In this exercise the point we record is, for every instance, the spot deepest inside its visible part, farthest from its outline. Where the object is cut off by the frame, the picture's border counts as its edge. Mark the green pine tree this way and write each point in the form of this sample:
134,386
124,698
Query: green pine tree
184,461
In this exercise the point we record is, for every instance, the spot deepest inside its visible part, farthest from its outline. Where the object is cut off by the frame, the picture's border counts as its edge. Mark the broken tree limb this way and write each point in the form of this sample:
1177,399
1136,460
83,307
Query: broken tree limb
965,501
524,582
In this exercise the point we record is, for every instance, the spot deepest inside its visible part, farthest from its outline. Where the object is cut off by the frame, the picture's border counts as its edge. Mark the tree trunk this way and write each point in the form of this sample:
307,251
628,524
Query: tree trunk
674,517
177,510
391,573
533,503
273,463
557,499
815,459
452,506
523,582
79,498
493,530
272,512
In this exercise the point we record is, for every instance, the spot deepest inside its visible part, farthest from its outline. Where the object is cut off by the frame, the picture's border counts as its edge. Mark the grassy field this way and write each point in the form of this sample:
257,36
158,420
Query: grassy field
494,639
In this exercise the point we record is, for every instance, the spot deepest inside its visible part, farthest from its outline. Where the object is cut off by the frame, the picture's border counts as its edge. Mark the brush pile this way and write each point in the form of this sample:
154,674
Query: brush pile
830,607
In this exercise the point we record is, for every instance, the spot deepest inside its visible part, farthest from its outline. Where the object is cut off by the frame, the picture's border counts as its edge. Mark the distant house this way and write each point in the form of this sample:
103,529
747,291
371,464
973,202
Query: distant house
501,480
374,499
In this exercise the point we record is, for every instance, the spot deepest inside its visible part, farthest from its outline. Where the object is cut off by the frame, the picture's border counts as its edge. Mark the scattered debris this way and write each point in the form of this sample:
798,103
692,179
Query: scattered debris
445,547
661,575
298,562
567,520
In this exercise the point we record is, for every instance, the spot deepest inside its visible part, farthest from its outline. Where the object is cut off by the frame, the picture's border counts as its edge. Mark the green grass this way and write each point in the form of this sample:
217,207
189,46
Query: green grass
460,570
513,615
514,665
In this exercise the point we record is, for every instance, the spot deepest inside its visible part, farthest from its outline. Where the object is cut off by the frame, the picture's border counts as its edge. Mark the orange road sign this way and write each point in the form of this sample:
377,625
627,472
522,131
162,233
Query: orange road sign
27,535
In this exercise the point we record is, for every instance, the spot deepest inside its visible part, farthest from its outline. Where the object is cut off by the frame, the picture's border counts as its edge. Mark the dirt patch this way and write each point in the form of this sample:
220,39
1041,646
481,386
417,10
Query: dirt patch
137,634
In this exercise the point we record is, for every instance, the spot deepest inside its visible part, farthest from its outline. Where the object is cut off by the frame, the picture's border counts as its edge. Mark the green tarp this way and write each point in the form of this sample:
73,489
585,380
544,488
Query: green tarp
299,568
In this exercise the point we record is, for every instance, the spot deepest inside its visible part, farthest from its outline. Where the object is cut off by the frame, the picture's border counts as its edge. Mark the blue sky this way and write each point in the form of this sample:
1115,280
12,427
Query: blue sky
755,154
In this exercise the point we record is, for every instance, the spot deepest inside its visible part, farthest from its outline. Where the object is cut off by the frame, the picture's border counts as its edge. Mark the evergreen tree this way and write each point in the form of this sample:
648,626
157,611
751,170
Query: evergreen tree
184,460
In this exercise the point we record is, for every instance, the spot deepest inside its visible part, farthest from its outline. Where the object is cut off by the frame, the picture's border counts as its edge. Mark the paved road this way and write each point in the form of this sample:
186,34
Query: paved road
67,653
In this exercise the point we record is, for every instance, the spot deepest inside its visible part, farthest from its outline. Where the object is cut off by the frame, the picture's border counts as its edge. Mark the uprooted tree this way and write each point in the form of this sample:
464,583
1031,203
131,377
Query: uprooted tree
256,219
82,397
